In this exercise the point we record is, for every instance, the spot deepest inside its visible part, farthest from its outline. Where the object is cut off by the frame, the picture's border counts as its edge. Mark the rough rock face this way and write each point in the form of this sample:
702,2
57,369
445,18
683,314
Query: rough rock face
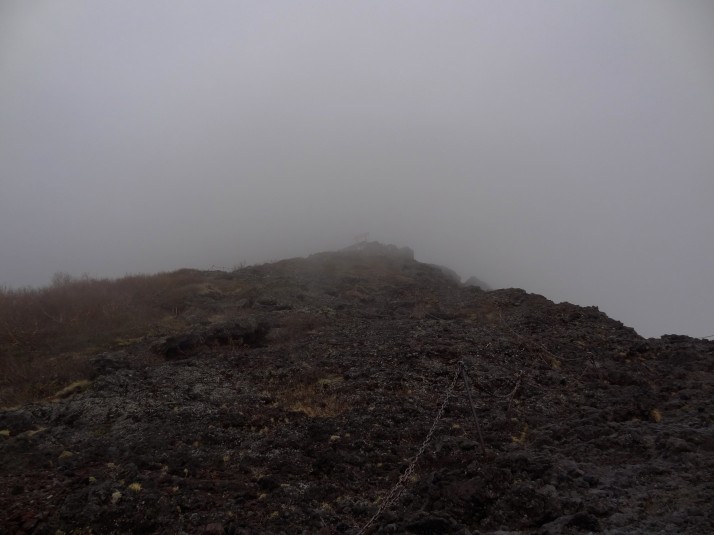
475,281
302,400
244,331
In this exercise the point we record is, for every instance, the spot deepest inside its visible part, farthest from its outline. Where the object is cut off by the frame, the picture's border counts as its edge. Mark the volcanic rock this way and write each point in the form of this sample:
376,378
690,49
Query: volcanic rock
327,395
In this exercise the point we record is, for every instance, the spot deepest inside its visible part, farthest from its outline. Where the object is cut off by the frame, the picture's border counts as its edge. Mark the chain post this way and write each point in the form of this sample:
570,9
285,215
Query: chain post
462,370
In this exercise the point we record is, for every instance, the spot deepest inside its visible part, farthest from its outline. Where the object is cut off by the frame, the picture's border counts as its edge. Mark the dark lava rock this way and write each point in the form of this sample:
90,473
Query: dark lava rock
245,331
334,393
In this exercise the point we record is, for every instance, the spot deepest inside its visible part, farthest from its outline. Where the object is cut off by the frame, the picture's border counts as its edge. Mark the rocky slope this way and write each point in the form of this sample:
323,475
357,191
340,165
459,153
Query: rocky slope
325,395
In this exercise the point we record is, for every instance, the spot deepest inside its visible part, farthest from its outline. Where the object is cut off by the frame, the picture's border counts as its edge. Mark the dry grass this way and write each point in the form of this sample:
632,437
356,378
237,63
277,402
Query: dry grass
34,377
73,388
47,333
317,399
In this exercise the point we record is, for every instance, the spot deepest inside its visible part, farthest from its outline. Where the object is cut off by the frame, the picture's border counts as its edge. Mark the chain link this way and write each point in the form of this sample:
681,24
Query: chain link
396,491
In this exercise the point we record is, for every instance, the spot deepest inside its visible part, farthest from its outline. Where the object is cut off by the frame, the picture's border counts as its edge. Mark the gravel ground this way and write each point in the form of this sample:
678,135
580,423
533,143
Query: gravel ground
309,402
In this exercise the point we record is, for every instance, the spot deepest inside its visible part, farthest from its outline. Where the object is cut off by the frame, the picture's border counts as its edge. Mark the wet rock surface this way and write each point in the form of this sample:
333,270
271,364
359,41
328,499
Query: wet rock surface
297,408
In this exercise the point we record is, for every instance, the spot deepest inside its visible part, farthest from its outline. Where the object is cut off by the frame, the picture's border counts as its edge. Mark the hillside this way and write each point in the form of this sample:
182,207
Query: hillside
326,395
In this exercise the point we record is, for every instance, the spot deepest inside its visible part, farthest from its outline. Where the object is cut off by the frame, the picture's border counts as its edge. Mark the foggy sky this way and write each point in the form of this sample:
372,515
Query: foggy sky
565,147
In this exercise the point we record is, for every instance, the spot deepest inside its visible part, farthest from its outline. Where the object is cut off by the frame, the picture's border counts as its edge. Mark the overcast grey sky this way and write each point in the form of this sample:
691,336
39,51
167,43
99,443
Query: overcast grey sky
561,146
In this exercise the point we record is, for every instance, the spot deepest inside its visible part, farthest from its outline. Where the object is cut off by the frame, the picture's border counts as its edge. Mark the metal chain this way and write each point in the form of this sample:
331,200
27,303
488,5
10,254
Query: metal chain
397,490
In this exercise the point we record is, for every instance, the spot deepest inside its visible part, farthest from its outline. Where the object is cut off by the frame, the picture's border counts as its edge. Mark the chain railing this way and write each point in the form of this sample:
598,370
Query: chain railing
396,491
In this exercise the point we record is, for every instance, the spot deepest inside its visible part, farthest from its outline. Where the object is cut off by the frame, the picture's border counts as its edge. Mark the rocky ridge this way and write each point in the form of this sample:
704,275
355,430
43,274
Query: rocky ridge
296,402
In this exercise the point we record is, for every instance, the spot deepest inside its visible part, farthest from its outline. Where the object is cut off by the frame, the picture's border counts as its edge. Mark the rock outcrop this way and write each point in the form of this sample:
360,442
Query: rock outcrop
302,400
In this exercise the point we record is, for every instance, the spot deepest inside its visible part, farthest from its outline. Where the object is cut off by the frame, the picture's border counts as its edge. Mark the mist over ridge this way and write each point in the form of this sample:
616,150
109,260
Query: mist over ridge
562,148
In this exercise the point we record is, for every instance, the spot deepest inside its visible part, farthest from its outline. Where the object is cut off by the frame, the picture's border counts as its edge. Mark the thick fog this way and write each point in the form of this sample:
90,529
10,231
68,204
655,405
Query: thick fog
563,147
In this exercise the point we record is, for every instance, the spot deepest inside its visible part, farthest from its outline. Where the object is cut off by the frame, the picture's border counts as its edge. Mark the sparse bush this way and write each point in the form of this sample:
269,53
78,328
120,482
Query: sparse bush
316,397
47,333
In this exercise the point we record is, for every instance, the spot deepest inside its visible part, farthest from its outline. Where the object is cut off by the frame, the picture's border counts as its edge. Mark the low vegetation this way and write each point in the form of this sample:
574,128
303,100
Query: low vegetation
328,394
46,334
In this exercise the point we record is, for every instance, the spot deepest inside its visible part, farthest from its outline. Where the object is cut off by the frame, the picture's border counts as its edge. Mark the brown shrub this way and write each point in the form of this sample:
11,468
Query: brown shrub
317,399
46,333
